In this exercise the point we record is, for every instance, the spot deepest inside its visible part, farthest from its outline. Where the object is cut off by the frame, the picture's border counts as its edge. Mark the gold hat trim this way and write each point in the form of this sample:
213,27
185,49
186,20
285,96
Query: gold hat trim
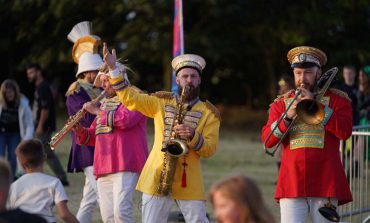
188,60
85,44
304,54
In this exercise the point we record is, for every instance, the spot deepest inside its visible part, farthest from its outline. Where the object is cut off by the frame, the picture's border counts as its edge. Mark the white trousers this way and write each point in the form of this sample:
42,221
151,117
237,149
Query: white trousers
89,197
297,209
156,209
116,193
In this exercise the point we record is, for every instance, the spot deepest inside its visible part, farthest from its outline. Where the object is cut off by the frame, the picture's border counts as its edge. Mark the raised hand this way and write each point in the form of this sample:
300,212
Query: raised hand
109,58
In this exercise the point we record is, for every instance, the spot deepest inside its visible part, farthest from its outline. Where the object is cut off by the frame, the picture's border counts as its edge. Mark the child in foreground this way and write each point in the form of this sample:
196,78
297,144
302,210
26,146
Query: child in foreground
36,192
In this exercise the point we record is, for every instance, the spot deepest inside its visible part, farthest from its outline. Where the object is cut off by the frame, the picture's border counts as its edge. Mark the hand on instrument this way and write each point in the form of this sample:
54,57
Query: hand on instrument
78,128
305,94
184,131
109,58
92,108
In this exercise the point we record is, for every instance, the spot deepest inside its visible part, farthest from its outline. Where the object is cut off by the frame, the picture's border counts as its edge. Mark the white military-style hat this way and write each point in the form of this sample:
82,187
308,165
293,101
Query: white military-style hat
306,55
188,60
89,62
104,71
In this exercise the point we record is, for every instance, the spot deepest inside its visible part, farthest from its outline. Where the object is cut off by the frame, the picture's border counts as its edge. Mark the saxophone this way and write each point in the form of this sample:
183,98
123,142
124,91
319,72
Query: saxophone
175,148
74,120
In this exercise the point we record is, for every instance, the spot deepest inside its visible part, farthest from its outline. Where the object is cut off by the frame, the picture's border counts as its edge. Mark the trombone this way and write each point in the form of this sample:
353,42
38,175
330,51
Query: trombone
308,110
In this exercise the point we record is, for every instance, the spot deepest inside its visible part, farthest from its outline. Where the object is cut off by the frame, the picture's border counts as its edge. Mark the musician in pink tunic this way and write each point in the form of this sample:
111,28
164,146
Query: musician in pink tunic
119,136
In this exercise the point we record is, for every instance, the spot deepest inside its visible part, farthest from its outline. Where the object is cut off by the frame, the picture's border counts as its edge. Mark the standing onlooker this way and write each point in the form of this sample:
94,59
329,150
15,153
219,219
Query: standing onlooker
349,86
238,199
16,122
35,191
81,157
364,95
44,115
119,136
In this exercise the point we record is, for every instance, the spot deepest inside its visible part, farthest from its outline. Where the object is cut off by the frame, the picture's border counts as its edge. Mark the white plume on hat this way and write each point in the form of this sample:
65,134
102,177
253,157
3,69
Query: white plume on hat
80,30
89,62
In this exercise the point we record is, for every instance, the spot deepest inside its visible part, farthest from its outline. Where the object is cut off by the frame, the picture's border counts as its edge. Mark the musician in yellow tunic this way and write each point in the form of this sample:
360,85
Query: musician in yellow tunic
200,131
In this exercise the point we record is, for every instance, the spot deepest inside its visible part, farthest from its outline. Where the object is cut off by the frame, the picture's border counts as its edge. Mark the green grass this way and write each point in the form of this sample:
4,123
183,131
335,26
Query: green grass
240,151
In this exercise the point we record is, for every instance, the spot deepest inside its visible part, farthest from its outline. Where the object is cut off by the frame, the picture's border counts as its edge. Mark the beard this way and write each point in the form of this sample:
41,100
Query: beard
192,94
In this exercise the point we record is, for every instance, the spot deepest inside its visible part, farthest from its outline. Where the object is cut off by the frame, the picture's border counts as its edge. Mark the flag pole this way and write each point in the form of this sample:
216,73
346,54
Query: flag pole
178,38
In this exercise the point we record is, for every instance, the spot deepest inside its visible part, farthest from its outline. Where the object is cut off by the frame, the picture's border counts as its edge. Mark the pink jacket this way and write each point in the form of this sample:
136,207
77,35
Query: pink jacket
119,136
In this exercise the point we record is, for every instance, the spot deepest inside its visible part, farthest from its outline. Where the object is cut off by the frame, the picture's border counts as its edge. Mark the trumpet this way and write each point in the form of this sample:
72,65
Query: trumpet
74,120
308,110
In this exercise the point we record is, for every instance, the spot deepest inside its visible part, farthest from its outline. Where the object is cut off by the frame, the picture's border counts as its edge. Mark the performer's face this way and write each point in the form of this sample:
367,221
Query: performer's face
306,76
226,210
91,75
104,79
189,76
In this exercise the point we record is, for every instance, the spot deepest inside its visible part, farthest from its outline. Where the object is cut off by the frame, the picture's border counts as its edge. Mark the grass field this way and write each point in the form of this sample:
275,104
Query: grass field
240,151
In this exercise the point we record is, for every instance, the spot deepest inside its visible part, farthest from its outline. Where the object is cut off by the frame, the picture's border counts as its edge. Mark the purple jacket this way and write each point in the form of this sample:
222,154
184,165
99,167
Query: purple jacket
80,156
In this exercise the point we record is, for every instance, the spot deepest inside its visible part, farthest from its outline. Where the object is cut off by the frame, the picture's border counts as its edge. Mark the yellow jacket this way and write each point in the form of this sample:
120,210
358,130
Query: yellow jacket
203,116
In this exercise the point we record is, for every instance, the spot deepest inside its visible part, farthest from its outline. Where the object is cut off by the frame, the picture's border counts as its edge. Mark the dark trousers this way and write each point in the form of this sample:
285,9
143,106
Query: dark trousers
52,159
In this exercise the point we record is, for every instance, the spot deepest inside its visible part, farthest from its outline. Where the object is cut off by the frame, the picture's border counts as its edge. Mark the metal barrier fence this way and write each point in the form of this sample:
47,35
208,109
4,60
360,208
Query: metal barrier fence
356,161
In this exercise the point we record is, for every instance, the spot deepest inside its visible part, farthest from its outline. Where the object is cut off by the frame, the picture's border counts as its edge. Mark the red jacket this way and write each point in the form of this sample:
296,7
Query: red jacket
313,170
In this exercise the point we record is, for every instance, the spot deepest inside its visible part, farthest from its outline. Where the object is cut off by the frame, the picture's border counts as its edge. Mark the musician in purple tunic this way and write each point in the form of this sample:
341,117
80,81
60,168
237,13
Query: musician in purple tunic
81,157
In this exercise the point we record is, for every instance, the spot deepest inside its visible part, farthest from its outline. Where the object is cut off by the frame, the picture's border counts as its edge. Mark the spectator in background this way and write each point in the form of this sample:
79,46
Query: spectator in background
16,122
238,199
44,116
364,94
15,215
349,86
286,84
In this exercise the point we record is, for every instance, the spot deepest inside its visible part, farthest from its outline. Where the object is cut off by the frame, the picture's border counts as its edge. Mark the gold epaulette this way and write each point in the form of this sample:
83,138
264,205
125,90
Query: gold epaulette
75,87
340,93
282,96
213,109
163,94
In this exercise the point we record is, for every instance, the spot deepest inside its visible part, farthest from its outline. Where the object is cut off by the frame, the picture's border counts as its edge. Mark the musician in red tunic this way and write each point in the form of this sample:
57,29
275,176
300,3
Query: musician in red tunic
311,171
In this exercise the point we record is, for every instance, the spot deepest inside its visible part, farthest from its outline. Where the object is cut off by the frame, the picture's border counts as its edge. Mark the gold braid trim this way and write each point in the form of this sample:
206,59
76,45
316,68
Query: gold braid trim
163,94
340,93
213,109
73,88
283,96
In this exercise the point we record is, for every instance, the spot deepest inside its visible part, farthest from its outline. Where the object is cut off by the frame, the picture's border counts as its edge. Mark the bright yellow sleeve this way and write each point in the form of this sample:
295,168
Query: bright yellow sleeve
135,100
205,143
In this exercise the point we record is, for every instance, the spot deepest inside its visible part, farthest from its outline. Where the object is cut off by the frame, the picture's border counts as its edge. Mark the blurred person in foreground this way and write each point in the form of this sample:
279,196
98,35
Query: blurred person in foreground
45,118
12,215
351,88
198,131
119,137
311,176
16,121
238,199
35,191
